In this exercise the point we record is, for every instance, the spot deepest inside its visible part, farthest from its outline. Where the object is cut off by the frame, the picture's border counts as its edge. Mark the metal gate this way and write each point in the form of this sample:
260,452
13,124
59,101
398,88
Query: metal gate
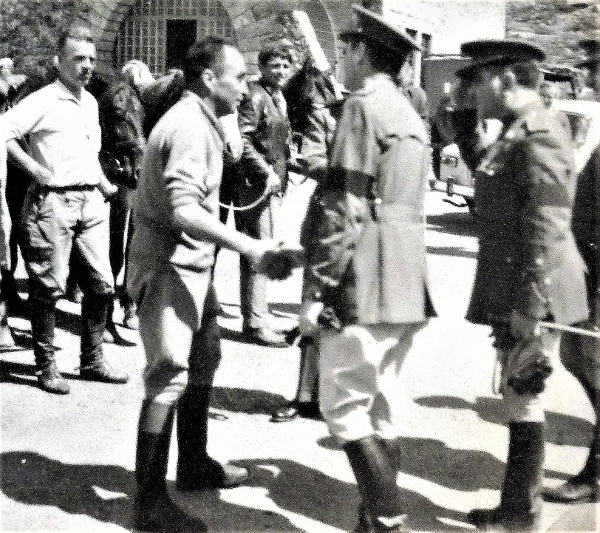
143,31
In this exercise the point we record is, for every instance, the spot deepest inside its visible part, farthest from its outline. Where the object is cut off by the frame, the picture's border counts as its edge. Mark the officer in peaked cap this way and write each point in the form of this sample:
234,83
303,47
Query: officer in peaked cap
529,268
496,52
378,133
581,355
591,47
372,27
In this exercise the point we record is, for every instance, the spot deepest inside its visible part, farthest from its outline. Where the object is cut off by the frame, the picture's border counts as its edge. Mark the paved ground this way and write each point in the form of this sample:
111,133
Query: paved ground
67,462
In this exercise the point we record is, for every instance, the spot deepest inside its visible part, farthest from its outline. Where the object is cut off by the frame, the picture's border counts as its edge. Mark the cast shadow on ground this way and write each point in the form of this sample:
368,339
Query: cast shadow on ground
78,489
308,492
33,479
24,374
433,460
453,223
254,402
561,428
105,493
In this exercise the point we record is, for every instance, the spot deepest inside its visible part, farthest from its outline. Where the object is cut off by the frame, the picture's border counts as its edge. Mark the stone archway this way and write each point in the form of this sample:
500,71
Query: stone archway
149,28
251,20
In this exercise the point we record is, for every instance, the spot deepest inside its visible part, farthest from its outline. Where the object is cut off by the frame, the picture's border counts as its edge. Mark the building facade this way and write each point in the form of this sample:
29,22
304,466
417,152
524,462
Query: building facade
158,31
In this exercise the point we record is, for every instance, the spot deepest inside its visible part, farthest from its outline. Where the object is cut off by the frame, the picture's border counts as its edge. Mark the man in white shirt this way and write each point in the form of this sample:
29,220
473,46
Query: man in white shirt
65,207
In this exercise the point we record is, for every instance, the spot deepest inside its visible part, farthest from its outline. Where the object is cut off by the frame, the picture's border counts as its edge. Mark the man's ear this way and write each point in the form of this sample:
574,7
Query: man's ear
208,78
360,52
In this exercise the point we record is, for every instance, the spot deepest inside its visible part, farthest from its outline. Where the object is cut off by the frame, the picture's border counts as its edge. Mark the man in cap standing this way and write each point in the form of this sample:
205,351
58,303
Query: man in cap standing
581,355
364,231
528,268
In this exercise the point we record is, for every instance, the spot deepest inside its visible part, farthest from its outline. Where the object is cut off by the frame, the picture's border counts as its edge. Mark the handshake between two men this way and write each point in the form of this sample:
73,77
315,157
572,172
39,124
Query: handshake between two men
278,261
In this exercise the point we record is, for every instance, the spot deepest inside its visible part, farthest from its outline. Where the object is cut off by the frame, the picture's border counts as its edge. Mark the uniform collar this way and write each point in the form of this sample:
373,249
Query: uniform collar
375,82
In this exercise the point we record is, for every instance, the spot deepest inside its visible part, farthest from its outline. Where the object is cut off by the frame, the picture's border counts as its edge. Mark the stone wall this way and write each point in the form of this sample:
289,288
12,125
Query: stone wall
555,25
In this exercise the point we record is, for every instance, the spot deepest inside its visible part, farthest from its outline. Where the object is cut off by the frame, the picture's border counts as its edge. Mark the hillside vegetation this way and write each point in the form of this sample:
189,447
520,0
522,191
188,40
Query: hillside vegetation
555,25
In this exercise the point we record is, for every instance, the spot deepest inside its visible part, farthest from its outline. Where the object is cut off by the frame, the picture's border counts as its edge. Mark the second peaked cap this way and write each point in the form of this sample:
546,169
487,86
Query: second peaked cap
373,27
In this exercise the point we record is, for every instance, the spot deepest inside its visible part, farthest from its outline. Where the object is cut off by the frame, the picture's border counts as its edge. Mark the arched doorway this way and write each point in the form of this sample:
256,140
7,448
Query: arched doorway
159,32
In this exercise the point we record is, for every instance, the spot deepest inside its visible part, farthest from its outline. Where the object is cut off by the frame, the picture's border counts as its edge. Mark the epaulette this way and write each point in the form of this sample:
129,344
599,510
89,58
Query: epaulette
536,122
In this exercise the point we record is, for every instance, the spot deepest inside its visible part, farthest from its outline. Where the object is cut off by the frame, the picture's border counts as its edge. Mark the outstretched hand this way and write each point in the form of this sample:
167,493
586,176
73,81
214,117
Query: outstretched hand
278,262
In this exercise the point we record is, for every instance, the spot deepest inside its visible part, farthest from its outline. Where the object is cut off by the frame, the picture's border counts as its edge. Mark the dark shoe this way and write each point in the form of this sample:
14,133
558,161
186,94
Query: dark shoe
575,490
112,336
50,380
295,409
130,318
102,372
265,337
500,520
211,475
285,413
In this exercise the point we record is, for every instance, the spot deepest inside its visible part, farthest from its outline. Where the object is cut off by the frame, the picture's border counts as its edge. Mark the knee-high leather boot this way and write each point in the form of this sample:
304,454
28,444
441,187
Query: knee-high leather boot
153,509
381,508
584,486
196,470
94,366
520,500
306,401
42,330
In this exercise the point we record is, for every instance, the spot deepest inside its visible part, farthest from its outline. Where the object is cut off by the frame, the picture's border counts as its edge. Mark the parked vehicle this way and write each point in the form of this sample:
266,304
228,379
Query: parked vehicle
458,182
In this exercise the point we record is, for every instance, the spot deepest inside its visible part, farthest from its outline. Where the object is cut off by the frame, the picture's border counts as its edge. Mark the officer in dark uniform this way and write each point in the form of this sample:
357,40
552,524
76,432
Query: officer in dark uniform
581,355
529,268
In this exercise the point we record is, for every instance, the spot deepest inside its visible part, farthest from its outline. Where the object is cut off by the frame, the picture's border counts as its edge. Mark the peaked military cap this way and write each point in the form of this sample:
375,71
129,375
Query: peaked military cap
591,47
373,27
497,52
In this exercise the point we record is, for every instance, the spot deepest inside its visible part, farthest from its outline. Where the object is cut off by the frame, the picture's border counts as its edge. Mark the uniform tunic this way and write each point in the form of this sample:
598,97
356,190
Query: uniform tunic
371,269
528,260
364,236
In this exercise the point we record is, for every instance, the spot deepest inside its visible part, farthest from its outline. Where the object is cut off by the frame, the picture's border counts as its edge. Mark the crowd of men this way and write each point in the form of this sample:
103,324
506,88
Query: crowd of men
171,149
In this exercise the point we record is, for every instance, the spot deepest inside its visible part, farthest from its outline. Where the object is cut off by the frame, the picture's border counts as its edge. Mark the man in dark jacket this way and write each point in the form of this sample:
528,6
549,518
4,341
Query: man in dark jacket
581,355
266,135
528,269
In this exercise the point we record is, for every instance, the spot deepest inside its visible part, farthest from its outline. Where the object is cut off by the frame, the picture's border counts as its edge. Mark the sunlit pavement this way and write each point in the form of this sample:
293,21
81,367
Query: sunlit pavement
68,460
